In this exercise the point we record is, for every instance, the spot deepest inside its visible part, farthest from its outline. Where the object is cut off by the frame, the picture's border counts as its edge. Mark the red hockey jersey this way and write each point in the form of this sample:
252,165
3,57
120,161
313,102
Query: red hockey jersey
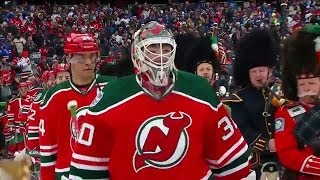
126,134
54,125
17,119
6,131
290,155
17,112
33,91
33,122
12,109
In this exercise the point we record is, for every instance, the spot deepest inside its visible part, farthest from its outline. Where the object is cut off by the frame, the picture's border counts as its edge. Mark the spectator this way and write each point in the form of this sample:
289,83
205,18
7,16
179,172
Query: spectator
19,43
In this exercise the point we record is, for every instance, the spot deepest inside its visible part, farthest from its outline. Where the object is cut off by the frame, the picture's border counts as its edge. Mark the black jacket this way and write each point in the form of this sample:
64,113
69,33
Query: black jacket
247,107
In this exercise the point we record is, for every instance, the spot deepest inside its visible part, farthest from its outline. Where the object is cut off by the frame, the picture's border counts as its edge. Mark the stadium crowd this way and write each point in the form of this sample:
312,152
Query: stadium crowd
37,32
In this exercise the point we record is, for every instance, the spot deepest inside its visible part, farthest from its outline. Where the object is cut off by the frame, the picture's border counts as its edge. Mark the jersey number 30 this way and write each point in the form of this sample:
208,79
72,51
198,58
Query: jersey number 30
228,127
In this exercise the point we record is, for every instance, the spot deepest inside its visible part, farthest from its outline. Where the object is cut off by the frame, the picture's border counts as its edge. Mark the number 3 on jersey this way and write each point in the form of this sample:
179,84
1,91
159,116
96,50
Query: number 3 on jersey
41,127
228,127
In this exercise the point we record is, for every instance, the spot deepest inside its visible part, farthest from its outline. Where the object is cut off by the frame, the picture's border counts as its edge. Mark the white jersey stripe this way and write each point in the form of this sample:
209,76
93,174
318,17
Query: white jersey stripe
62,170
89,158
89,167
236,156
33,138
233,170
117,104
226,154
48,164
33,131
73,177
48,147
48,153
198,100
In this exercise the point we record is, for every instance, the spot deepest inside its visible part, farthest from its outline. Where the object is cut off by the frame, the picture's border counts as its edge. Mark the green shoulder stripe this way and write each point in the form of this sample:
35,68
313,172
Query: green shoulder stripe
196,87
115,91
53,90
104,79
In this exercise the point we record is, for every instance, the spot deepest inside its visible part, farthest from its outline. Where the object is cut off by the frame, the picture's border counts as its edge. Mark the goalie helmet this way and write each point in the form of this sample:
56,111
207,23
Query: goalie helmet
156,67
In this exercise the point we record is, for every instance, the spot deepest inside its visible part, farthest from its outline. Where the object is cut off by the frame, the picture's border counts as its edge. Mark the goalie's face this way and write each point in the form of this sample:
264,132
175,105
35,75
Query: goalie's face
158,54
153,53
155,61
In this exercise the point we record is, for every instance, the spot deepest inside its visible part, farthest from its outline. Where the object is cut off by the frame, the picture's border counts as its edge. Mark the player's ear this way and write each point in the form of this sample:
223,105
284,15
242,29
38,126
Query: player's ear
68,58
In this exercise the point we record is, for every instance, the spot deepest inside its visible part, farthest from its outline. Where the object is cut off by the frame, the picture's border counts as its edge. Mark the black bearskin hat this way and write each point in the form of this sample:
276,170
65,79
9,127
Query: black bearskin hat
123,67
185,44
202,53
299,56
253,50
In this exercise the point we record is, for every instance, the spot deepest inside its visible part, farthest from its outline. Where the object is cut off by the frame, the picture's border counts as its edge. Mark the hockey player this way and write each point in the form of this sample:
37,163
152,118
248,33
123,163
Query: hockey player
181,125
17,118
250,106
34,115
54,126
61,73
297,124
32,90
33,149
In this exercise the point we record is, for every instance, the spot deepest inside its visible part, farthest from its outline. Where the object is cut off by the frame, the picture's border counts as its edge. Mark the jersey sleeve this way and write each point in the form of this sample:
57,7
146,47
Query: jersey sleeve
91,152
48,141
226,151
3,123
33,127
11,115
6,130
290,156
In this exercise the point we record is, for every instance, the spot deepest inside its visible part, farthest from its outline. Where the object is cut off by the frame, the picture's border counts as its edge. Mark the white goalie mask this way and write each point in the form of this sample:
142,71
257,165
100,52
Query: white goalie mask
153,52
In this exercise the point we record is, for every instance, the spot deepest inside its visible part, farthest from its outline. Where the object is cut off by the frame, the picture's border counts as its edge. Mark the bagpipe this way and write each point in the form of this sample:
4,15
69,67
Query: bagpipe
307,129
223,86
274,100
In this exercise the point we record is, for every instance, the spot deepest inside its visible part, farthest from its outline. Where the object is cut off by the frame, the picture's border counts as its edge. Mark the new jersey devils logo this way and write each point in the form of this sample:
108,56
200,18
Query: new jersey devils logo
74,126
162,141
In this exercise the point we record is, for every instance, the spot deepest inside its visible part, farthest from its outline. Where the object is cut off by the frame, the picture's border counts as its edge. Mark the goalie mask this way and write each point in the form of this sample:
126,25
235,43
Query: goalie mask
153,53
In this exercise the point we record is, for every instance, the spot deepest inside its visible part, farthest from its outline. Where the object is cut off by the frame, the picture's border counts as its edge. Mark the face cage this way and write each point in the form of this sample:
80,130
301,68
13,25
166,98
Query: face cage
157,73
